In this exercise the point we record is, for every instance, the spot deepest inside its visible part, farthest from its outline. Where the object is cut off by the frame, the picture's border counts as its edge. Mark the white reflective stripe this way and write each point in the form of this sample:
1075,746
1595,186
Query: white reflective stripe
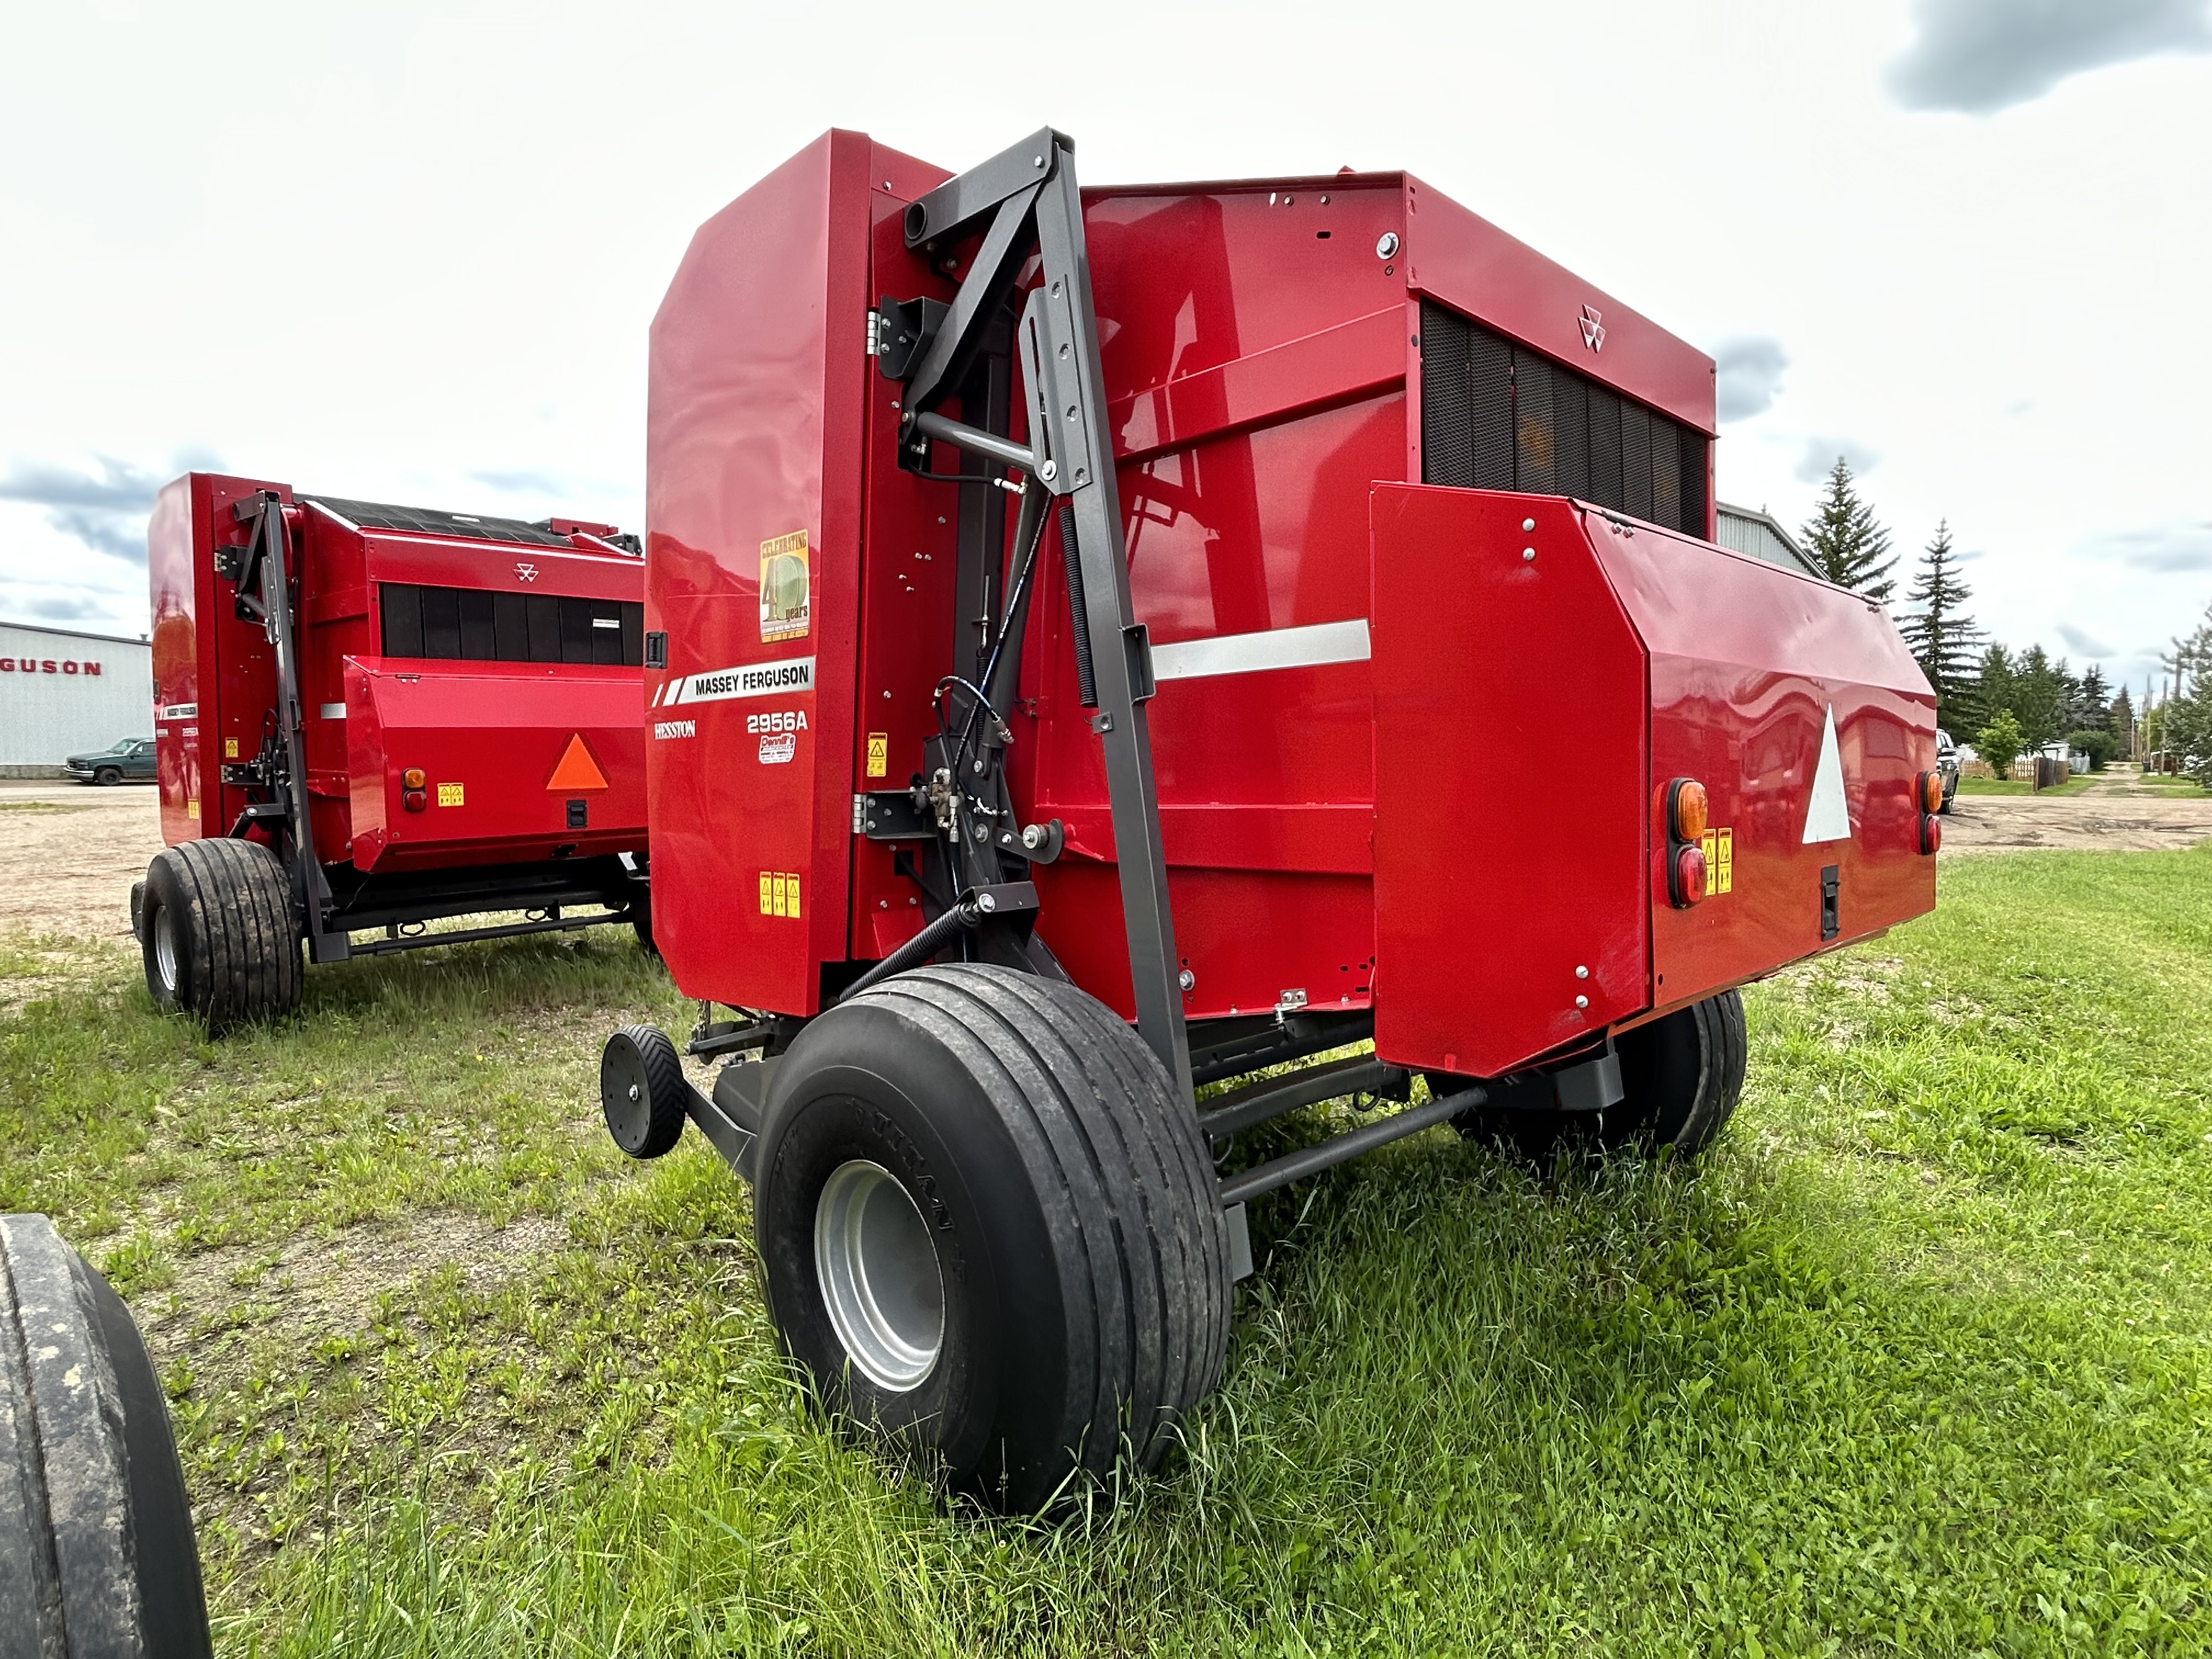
1277,648
658,692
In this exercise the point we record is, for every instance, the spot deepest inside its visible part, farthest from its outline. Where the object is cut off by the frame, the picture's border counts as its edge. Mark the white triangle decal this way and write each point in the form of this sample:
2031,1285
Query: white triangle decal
1829,817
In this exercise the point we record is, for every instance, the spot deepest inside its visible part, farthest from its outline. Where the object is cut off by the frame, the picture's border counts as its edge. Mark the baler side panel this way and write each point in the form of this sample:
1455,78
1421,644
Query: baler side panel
493,745
909,579
1746,662
176,654
755,433
1509,700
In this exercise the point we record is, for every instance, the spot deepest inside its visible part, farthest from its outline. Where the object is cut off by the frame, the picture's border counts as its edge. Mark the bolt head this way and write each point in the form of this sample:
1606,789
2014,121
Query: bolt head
1049,471
986,902
1033,837
635,1091
1526,524
1582,973
1186,979
1386,246
1527,555
1582,1002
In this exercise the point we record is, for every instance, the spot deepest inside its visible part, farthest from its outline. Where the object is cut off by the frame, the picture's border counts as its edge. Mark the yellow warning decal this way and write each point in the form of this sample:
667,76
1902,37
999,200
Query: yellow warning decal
879,754
449,795
230,748
1719,847
779,893
192,809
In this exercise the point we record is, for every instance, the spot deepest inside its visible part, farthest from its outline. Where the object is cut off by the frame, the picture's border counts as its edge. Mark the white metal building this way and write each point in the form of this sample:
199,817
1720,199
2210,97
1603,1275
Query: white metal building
1747,530
63,693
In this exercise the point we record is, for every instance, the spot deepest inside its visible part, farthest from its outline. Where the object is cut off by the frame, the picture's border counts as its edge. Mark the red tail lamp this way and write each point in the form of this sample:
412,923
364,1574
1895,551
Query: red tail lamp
1931,791
1685,876
1931,833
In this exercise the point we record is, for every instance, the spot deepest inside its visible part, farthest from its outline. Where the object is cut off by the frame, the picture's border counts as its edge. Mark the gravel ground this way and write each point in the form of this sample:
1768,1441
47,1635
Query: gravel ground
68,853
2114,814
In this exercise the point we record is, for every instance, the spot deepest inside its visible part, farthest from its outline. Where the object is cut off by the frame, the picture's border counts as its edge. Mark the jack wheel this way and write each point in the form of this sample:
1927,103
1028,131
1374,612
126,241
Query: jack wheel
218,935
97,1554
990,1231
1682,1076
642,1091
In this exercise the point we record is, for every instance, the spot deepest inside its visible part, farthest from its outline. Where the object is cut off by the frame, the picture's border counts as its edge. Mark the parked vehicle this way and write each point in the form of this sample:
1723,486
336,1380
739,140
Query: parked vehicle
1947,764
125,759
369,717
1122,685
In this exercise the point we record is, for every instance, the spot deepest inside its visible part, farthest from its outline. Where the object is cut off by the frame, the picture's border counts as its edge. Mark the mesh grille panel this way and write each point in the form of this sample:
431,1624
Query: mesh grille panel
470,624
1495,416
1447,400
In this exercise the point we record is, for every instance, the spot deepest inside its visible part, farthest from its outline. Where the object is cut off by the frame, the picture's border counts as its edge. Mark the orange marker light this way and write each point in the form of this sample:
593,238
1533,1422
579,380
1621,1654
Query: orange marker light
1686,810
1931,791
413,777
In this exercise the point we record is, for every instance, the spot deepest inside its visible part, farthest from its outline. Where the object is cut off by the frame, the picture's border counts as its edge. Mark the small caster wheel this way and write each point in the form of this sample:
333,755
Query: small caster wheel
642,1090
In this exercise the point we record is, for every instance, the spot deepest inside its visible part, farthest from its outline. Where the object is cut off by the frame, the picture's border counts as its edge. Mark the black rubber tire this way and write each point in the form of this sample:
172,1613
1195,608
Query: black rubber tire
1082,1254
234,950
642,1091
1533,1139
97,1556
137,909
108,776
1680,1076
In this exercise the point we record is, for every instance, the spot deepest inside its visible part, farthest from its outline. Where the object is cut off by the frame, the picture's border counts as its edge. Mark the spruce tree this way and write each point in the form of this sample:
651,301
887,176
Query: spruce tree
1992,687
1942,637
2122,720
2094,712
1847,546
2038,697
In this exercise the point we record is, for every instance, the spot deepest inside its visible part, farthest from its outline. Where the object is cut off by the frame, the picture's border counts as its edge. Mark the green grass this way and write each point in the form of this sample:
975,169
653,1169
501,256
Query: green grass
1917,1363
2073,786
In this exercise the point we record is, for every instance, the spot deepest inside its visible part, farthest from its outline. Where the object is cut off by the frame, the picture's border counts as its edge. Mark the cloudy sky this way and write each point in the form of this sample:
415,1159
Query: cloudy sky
409,252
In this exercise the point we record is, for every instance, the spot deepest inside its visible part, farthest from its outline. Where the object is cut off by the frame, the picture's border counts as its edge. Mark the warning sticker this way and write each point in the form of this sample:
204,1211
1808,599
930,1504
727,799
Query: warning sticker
879,754
785,587
230,748
449,795
577,770
1719,847
779,893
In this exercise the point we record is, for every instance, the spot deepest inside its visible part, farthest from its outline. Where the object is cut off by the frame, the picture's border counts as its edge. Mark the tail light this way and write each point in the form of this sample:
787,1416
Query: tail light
413,777
1931,833
1685,876
1687,813
1931,791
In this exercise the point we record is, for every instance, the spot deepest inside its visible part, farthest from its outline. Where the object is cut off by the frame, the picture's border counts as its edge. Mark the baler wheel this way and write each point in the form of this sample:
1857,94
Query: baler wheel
1533,1139
642,1091
97,1555
990,1231
218,933
1682,1076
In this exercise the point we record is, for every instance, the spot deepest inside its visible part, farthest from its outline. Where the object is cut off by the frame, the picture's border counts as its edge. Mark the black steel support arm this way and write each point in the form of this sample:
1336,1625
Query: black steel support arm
1341,1149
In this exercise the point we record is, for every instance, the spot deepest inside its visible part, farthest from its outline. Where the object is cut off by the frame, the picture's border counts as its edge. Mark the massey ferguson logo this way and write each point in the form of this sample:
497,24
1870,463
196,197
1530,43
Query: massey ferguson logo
1593,328
528,572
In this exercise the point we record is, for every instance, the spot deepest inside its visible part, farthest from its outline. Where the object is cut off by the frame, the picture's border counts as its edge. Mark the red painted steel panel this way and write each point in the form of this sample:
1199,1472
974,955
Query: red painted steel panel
1746,661
489,740
756,426
1509,782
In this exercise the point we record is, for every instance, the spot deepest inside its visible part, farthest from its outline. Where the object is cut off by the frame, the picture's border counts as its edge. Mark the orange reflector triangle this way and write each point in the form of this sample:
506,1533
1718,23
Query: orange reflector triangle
577,769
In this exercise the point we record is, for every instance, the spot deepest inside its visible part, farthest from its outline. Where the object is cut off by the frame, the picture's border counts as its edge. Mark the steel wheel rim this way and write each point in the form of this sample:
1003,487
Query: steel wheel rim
878,1269
165,949
627,1113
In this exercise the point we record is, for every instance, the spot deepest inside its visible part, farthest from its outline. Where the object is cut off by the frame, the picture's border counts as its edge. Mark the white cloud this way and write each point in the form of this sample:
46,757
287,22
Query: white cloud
1978,56
1749,367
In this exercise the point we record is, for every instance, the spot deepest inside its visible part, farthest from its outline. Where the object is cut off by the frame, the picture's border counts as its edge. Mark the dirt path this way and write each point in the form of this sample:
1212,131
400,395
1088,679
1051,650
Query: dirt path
2116,813
67,855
